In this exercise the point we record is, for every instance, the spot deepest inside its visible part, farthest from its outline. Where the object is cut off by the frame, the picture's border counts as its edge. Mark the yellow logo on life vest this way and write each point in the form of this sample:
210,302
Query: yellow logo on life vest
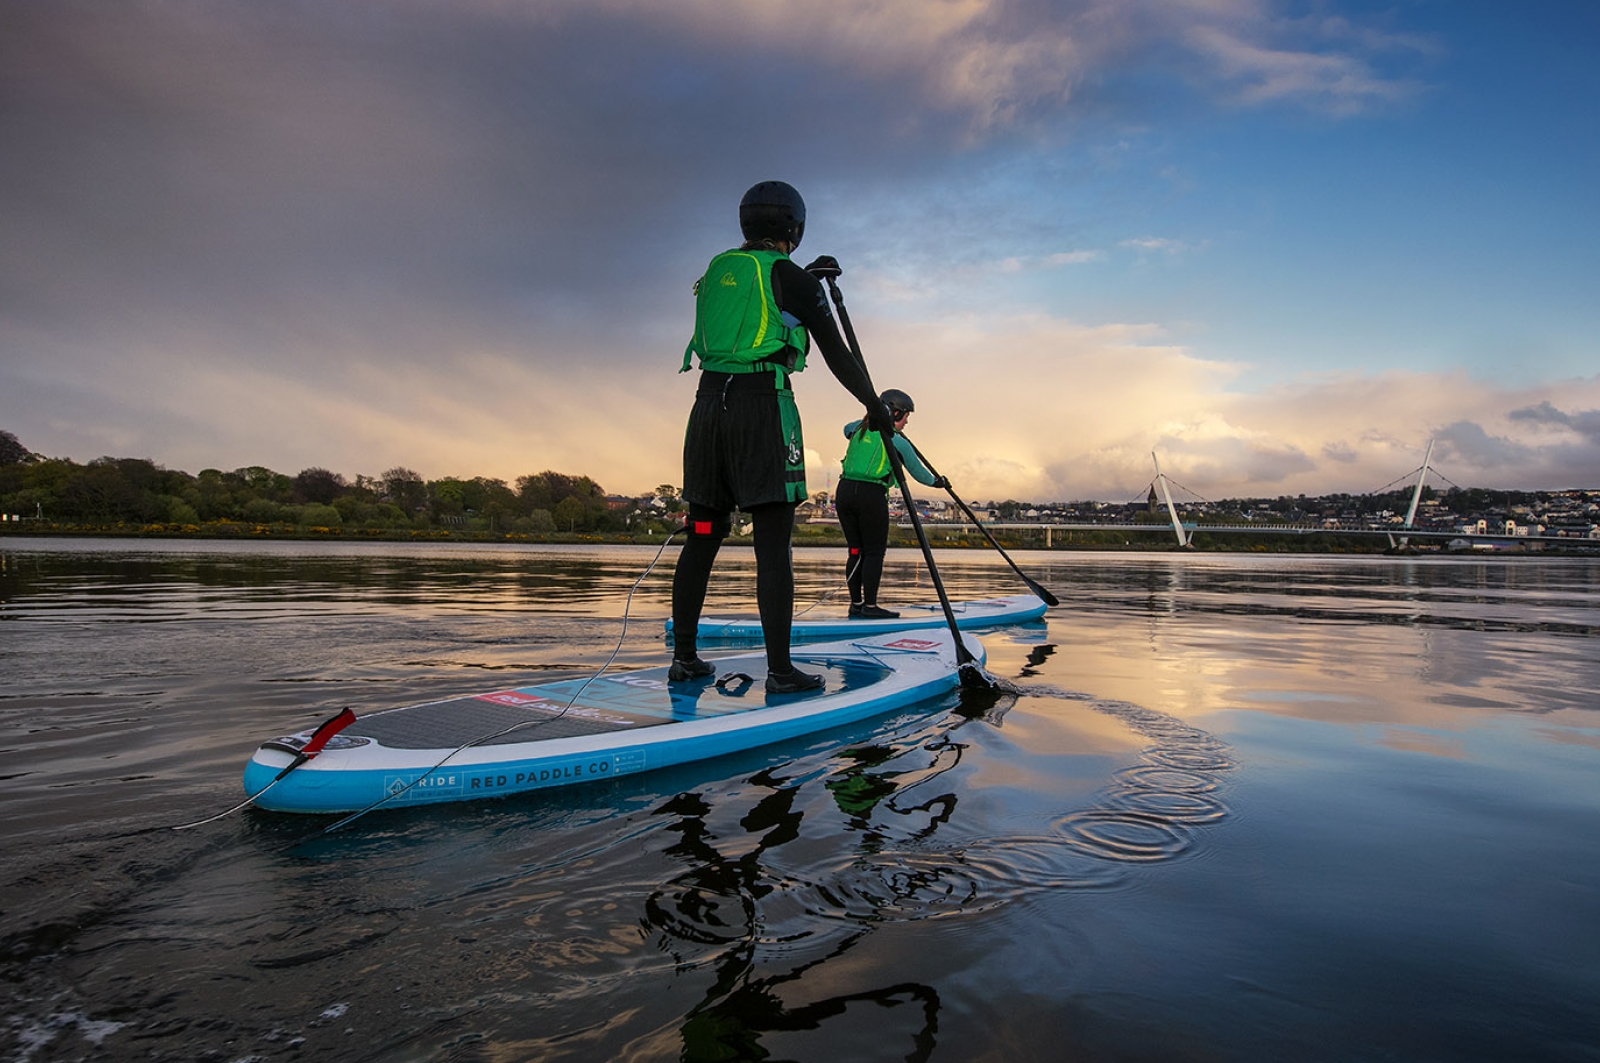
727,281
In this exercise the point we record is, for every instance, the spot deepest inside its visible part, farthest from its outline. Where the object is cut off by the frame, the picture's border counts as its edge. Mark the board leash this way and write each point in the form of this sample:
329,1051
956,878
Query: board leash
827,596
627,607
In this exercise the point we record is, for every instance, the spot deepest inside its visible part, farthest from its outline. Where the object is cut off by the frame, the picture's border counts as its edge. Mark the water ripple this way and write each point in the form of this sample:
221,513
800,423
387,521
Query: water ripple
1147,813
1185,808
1163,779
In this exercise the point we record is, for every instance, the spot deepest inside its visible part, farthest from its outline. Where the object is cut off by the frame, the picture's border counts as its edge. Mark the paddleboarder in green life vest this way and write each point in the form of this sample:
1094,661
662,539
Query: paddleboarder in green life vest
756,315
862,502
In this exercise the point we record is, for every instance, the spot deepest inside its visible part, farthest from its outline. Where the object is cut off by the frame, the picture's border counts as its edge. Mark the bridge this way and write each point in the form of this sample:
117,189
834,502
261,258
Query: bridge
1186,530
1398,533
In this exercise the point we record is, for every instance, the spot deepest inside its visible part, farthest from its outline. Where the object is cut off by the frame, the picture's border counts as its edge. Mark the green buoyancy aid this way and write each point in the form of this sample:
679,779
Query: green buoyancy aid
738,327
866,458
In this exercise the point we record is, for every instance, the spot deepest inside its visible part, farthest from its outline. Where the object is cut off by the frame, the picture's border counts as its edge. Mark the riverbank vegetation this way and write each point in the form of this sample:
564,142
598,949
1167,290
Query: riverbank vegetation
135,496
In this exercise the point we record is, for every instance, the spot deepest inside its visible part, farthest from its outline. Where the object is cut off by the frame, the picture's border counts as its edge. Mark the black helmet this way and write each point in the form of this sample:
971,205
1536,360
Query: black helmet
772,210
897,401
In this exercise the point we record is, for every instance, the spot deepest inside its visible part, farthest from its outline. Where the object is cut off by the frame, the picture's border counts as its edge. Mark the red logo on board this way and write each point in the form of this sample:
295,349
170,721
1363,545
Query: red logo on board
511,697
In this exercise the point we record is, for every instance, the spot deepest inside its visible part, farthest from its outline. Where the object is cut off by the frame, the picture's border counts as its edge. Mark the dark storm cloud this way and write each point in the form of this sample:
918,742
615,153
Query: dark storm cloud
1585,423
1467,449
219,220
1470,445
273,170
238,164
274,174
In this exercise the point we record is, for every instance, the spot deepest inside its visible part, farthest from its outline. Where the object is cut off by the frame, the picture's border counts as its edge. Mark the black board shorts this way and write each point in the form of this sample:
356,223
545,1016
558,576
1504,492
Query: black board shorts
743,447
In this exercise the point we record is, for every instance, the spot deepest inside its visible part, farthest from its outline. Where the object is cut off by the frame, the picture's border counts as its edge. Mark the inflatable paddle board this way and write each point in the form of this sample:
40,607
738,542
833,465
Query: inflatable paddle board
582,730
831,620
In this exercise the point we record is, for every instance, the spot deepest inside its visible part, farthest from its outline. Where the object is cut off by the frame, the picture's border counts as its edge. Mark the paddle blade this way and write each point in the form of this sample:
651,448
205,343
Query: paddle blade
1042,591
973,677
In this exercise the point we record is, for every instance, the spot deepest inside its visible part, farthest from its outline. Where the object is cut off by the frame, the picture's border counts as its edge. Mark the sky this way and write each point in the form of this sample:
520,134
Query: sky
1280,246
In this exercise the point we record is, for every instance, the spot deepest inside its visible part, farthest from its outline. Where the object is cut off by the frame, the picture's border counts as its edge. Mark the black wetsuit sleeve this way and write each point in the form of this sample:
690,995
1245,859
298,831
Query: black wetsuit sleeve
799,293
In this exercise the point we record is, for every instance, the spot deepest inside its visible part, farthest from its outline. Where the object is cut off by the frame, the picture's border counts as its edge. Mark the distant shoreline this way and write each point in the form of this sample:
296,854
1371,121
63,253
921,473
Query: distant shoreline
941,537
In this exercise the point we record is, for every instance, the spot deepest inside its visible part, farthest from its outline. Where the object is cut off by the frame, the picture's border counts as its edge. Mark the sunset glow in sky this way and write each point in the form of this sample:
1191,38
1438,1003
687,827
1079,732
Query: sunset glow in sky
1282,245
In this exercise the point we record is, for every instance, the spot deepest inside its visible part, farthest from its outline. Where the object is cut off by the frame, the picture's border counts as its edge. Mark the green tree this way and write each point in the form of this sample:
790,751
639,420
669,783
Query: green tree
119,489
35,489
13,452
317,515
538,521
446,498
543,490
215,494
491,500
570,511
405,488
262,482
262,511
318,485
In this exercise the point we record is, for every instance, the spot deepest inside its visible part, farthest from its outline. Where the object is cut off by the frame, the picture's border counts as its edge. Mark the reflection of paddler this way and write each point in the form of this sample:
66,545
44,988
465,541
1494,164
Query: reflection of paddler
729,1026
738,1010
856,790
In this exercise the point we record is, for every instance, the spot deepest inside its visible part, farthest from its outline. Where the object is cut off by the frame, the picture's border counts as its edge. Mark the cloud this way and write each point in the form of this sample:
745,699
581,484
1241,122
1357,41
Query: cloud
1156,243
238,161
1000,62
1341,452
1073,258
458,235
1045,408
1051,261
1328,80
1585,423
1468,442
1037,407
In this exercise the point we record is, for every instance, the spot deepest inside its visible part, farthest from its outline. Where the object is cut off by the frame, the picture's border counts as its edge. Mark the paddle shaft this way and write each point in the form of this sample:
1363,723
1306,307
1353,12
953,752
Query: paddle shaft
964,657
1035,587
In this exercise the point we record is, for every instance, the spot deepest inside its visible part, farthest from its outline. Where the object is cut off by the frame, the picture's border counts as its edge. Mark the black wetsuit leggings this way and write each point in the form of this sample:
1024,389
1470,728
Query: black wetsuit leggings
863,510
773,528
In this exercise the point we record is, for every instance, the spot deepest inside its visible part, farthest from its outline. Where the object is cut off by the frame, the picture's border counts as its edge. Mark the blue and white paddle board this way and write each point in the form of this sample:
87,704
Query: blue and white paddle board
827,621
577,731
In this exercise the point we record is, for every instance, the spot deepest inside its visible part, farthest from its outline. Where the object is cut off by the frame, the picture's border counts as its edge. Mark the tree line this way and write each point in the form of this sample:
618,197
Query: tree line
138,491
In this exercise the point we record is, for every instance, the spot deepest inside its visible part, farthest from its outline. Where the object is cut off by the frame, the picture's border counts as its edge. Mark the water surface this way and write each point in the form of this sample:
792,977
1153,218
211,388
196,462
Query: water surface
1242,808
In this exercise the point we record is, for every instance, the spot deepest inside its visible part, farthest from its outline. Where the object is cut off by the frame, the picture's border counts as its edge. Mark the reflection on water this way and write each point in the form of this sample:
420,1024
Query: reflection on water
1227,808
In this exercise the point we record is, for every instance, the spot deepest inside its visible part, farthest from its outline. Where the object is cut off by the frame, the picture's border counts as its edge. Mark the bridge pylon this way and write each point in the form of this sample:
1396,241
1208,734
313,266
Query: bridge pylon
1416,497
1184,535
